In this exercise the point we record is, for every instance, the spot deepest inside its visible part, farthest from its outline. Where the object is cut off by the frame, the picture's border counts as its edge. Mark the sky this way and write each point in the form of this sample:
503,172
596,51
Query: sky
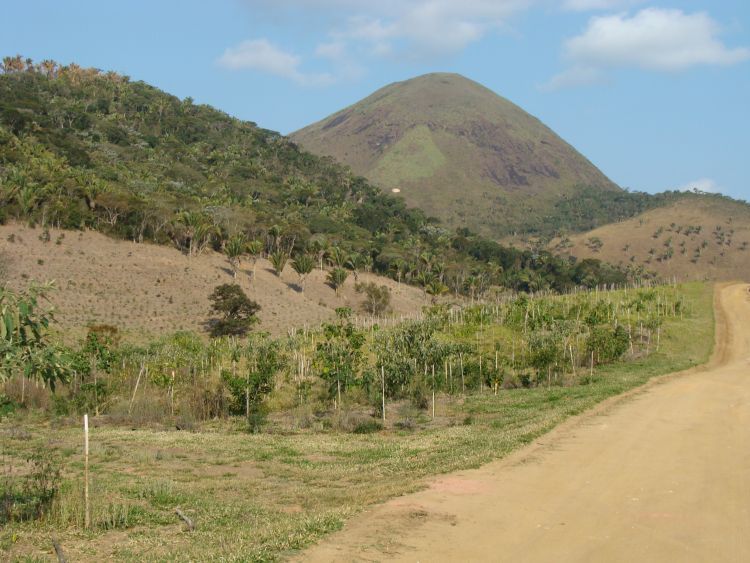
655,93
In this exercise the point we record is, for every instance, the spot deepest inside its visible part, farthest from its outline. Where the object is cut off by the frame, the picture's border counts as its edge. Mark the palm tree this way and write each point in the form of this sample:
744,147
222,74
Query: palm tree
354,262
435,288
399,267
337,257
196,229
278,261
254,248
275,233
204,233
318,246
303,265
234,249
337,277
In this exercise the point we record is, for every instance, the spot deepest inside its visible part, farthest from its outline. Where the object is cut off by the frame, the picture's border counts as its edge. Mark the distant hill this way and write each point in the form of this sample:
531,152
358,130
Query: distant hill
86,149
149,290
694,237
462,153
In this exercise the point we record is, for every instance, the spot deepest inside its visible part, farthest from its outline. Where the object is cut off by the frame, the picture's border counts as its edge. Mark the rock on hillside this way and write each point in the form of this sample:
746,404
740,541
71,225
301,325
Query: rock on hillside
457,150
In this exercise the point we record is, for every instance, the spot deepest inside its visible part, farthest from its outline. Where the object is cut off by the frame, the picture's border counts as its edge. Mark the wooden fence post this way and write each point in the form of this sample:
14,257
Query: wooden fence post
87,508
382,379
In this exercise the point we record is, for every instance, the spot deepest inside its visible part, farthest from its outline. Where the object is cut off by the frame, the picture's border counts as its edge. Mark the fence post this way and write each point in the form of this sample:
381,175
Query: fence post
87,510
382,379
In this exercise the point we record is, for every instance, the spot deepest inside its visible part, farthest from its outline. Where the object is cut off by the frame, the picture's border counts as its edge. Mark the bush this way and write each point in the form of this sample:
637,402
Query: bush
237,311
7,406
608,343
367,427
377,298
418,393
30,495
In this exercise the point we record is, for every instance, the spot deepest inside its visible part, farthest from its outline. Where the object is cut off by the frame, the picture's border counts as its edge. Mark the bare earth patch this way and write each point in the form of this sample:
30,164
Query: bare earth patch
147,290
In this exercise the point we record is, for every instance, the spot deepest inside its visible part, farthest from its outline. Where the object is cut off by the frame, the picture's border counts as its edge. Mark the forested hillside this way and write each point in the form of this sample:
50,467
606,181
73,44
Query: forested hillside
82,148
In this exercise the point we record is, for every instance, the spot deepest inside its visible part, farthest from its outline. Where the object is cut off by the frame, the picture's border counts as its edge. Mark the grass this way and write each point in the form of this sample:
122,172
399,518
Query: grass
413,157
260,497
725,256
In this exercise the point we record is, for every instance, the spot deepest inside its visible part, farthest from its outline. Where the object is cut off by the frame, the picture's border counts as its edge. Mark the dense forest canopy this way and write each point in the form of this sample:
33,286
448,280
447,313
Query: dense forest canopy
81,148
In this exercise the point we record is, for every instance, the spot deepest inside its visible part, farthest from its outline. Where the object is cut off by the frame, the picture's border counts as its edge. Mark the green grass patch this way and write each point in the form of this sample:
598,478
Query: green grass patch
285,492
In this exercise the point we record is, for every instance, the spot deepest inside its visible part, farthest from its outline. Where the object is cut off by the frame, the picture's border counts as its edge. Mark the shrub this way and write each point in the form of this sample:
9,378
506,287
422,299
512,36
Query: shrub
30,496
237,311
608,343
367,427
377,298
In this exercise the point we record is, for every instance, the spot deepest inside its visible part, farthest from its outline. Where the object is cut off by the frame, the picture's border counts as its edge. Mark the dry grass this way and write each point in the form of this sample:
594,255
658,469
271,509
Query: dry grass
147,290
724,256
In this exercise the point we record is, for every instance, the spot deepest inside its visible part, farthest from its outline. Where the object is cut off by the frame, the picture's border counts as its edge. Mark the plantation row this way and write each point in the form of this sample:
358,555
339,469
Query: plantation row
517,341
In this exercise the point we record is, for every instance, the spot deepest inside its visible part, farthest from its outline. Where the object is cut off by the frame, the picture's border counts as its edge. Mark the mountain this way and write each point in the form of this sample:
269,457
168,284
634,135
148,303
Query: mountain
85,149
460,152
695,237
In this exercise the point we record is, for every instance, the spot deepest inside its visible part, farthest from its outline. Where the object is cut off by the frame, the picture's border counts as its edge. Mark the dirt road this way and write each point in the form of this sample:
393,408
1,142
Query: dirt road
661,476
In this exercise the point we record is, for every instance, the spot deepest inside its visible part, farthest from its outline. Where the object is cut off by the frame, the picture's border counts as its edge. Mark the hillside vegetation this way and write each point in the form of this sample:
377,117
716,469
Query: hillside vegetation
80,148
148,290
505,373
462,153
698,237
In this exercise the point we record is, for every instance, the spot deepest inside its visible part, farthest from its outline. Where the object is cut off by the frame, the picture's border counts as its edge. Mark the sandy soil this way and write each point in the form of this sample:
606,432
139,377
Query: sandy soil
660,474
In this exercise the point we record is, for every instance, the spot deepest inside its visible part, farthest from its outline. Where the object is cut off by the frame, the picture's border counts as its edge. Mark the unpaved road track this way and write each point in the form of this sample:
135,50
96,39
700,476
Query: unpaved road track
661,475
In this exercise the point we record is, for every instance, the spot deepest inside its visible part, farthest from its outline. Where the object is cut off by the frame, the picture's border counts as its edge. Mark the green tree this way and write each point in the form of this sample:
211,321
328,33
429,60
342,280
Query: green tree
377,298
336,278
237,311
25,345
234,249
251,386
254,248
608,343
303,265
278,261
264,360
545,351
339,356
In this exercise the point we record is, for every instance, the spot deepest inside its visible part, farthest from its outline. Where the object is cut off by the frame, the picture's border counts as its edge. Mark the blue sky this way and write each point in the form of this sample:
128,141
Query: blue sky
655,93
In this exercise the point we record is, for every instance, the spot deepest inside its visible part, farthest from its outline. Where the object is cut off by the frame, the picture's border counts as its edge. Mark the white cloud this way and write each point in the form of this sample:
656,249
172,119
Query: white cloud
574,76
706,185
419,28
361,29
262,55
586,5
335,50
654,39
337,53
